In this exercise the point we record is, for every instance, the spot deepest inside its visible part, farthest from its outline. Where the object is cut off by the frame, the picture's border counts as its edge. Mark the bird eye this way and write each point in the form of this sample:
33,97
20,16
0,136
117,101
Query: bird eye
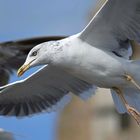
34,53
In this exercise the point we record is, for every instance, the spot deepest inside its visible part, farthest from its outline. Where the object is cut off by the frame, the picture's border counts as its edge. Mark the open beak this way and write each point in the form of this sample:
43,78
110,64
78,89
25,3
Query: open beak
23,68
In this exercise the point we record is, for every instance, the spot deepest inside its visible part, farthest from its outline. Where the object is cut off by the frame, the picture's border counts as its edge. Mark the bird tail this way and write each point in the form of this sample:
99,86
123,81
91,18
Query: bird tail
131,92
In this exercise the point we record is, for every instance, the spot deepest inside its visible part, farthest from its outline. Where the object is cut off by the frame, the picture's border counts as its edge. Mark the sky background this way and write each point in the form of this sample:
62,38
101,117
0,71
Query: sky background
31,18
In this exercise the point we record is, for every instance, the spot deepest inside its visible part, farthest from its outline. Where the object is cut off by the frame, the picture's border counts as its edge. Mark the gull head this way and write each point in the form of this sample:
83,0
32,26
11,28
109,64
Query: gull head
41,54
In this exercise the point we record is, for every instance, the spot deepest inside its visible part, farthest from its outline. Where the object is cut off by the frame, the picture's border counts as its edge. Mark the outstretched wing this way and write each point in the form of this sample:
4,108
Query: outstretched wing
17,52
45,90
117,22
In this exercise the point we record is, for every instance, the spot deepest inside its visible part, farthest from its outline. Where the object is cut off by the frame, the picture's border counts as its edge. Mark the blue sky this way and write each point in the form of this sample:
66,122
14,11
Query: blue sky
30,18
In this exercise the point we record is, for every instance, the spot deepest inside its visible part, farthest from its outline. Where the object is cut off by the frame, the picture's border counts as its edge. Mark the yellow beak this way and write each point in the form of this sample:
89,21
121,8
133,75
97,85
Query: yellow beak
22,69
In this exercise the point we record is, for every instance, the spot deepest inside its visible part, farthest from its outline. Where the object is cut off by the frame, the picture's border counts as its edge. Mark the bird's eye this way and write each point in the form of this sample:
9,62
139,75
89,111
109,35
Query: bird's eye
34,53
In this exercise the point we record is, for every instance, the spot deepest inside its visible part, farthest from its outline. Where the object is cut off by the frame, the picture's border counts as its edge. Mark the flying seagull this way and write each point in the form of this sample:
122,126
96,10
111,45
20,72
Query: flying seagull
98,56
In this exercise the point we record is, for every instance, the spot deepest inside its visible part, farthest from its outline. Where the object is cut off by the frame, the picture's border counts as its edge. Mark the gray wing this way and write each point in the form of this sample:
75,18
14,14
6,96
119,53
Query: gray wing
117,22
17,52
46,90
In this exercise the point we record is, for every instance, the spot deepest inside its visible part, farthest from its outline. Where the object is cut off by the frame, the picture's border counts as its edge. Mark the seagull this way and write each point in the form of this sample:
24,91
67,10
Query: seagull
98,56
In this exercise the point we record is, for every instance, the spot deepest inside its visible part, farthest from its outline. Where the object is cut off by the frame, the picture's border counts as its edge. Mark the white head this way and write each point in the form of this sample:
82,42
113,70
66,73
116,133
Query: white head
41,54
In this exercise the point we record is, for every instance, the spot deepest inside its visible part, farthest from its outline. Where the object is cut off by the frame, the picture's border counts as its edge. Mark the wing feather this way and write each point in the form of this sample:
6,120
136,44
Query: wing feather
46,90
116,21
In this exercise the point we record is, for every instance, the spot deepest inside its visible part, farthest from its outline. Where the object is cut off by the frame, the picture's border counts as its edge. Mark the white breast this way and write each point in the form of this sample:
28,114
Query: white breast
92,64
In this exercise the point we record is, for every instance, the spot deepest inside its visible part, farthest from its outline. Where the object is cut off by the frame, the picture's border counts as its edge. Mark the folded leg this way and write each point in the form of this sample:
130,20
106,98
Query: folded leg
131,110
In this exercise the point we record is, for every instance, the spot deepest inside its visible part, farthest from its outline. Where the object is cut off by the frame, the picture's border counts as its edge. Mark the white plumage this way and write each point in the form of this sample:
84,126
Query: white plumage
99,56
